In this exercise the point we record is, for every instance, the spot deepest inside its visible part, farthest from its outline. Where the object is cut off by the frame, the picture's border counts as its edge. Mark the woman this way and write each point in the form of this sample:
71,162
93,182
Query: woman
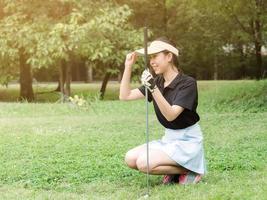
179,154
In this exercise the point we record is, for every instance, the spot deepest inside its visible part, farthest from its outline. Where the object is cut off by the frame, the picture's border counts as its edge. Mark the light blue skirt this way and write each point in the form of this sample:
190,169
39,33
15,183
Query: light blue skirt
184,146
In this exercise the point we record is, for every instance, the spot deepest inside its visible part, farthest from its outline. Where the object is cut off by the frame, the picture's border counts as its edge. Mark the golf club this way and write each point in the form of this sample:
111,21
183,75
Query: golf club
147,130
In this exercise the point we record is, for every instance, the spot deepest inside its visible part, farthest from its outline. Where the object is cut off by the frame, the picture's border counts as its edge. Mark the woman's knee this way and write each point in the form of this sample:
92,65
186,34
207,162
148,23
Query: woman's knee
130,159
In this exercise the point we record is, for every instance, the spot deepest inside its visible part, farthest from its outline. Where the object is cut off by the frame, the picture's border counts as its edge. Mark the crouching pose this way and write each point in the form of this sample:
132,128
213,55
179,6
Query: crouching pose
179,154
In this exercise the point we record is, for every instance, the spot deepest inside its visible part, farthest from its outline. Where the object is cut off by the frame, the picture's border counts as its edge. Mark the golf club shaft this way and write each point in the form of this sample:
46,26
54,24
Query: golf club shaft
147,131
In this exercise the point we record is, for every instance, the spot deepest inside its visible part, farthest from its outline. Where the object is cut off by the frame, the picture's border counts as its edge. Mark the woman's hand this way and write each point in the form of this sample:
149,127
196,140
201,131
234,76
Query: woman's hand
148,80
130,59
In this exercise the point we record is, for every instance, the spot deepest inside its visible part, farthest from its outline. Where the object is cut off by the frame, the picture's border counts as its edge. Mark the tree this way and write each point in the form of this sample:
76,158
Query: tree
250,17
203,30
109,39
241,27
24,30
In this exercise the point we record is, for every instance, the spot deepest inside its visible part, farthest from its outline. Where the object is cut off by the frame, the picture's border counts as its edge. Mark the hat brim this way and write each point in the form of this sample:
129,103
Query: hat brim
158,46
150,50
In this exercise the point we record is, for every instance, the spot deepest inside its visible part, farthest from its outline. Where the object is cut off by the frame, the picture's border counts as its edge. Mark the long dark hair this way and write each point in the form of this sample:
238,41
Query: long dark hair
175,60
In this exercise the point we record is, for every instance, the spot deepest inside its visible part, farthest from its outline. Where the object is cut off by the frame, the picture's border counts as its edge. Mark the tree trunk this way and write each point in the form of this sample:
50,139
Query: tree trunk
258,45
62,75
259,60
26,91
215,75
58,87
104,85
89,77
242,61
62,79
257,30
68,79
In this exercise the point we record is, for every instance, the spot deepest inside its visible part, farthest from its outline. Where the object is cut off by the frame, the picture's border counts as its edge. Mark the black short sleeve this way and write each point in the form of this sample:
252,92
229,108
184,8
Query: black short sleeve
181,91
186,96
143,91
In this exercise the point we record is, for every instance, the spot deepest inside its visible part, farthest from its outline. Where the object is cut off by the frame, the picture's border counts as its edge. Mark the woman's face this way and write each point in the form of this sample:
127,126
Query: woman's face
159,62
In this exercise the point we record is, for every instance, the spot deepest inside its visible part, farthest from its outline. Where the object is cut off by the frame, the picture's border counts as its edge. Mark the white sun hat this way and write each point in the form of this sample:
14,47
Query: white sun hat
158,46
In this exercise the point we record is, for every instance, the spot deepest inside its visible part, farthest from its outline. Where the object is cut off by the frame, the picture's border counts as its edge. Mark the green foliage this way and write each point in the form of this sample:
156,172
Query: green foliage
202,30
98,32
110,38
103,32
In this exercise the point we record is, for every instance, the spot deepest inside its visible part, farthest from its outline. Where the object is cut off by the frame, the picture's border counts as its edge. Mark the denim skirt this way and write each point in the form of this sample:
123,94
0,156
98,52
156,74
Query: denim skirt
184,146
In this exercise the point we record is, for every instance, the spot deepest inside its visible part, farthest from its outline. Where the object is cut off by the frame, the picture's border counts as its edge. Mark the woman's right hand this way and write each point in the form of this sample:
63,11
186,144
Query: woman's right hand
130,59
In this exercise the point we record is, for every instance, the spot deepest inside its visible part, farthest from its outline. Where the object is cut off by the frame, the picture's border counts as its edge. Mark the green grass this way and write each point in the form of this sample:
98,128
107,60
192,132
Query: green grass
45,92
59,151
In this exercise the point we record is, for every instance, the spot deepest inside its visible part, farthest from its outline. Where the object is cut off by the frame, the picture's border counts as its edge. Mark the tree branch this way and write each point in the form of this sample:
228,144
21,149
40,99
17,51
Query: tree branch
237,19
241,25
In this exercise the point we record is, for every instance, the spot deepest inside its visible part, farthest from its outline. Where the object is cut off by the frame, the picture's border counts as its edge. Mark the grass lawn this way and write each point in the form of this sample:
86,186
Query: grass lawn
60,151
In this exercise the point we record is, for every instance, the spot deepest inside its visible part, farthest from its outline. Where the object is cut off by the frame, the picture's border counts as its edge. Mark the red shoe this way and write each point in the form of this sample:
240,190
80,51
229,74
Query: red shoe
189,178
170,179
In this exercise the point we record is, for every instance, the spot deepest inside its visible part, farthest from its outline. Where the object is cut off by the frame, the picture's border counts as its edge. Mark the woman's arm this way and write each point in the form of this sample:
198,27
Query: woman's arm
125,87
168,111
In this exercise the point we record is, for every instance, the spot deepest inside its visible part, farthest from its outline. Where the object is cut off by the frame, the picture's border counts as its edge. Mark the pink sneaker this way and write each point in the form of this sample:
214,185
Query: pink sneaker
170,179
189,178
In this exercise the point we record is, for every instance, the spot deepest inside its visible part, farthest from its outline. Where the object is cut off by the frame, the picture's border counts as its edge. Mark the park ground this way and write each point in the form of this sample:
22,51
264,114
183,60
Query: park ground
53,150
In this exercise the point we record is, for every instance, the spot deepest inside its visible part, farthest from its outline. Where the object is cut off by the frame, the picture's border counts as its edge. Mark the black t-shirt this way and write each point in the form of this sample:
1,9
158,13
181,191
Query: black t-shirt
182,91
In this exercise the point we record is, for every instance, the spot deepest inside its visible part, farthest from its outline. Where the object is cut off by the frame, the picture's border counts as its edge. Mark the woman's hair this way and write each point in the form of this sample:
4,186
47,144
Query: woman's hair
175,60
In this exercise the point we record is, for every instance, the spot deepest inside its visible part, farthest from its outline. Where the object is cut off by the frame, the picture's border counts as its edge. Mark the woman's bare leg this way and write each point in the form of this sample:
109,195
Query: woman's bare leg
168,169
159,163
